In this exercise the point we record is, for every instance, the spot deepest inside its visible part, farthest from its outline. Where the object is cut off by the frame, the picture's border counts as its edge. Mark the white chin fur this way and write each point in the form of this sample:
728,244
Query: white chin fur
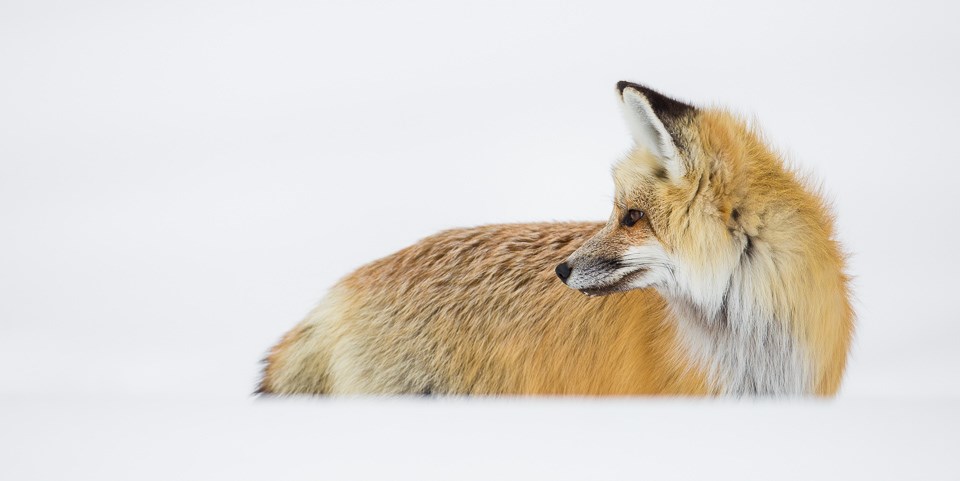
659,268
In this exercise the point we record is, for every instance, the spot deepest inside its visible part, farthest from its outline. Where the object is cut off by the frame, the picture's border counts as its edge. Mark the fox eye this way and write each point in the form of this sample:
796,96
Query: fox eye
632,217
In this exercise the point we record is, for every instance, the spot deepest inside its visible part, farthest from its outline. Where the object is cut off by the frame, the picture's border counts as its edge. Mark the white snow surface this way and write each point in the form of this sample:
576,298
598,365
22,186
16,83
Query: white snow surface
181,181
578,439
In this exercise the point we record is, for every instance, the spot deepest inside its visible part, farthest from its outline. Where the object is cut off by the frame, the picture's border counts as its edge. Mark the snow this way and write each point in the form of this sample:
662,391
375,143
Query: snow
180,181
480,439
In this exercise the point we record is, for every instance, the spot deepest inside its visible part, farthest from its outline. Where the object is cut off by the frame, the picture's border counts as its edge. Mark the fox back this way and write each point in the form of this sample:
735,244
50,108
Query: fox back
717,273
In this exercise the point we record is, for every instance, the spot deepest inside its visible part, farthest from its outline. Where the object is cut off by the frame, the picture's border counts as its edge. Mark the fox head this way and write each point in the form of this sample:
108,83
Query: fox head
682,221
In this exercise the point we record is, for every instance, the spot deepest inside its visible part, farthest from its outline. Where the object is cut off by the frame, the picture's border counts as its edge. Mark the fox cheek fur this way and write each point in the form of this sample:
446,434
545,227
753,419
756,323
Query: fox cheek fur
718,270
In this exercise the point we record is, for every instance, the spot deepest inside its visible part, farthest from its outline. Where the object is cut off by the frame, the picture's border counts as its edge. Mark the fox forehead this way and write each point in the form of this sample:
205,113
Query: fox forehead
635,175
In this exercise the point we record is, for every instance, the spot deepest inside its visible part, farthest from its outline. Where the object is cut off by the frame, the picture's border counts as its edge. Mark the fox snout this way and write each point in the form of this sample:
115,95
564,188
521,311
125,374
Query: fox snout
594,276
606,264
594,269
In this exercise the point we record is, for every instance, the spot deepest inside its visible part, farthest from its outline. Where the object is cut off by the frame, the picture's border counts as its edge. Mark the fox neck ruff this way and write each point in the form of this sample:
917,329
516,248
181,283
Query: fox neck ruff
745,345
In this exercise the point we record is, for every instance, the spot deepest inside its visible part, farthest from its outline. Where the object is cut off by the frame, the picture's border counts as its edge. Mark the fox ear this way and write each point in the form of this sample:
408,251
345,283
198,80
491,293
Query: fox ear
653,120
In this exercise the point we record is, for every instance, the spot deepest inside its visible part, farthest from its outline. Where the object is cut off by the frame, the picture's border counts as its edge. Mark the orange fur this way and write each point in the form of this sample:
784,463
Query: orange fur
480,311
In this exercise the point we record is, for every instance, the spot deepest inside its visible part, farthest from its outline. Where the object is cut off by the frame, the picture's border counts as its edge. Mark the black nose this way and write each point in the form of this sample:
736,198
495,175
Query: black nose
563,271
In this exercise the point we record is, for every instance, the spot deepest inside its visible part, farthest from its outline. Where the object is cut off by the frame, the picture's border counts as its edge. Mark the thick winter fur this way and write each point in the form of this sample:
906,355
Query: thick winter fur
716,274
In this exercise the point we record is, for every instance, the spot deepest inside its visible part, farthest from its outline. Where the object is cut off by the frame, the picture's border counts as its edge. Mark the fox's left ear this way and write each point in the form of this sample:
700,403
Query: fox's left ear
654,120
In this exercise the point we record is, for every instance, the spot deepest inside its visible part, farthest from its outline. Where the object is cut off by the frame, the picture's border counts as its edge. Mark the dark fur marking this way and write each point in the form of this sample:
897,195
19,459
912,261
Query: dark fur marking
612,264
724,306
665,107
661,173
748,248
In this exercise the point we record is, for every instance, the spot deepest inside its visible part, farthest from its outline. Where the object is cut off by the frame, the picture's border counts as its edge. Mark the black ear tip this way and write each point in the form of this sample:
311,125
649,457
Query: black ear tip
623,85
646,91
661,104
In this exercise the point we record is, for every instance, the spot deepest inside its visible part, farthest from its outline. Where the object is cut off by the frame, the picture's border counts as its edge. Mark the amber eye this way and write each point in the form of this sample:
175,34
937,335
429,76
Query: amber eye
632,217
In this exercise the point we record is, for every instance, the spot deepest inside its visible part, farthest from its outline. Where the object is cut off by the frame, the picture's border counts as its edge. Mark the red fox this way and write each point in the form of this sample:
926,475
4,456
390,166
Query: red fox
717,273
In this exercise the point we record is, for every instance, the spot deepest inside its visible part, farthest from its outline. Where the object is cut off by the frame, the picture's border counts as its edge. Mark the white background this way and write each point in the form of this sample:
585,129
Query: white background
180,181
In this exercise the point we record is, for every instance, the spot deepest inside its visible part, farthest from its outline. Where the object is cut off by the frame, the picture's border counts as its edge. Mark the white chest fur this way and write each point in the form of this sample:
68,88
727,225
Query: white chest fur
743,354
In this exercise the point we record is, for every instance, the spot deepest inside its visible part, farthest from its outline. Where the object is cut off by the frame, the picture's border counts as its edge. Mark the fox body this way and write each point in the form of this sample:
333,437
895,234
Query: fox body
717,273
